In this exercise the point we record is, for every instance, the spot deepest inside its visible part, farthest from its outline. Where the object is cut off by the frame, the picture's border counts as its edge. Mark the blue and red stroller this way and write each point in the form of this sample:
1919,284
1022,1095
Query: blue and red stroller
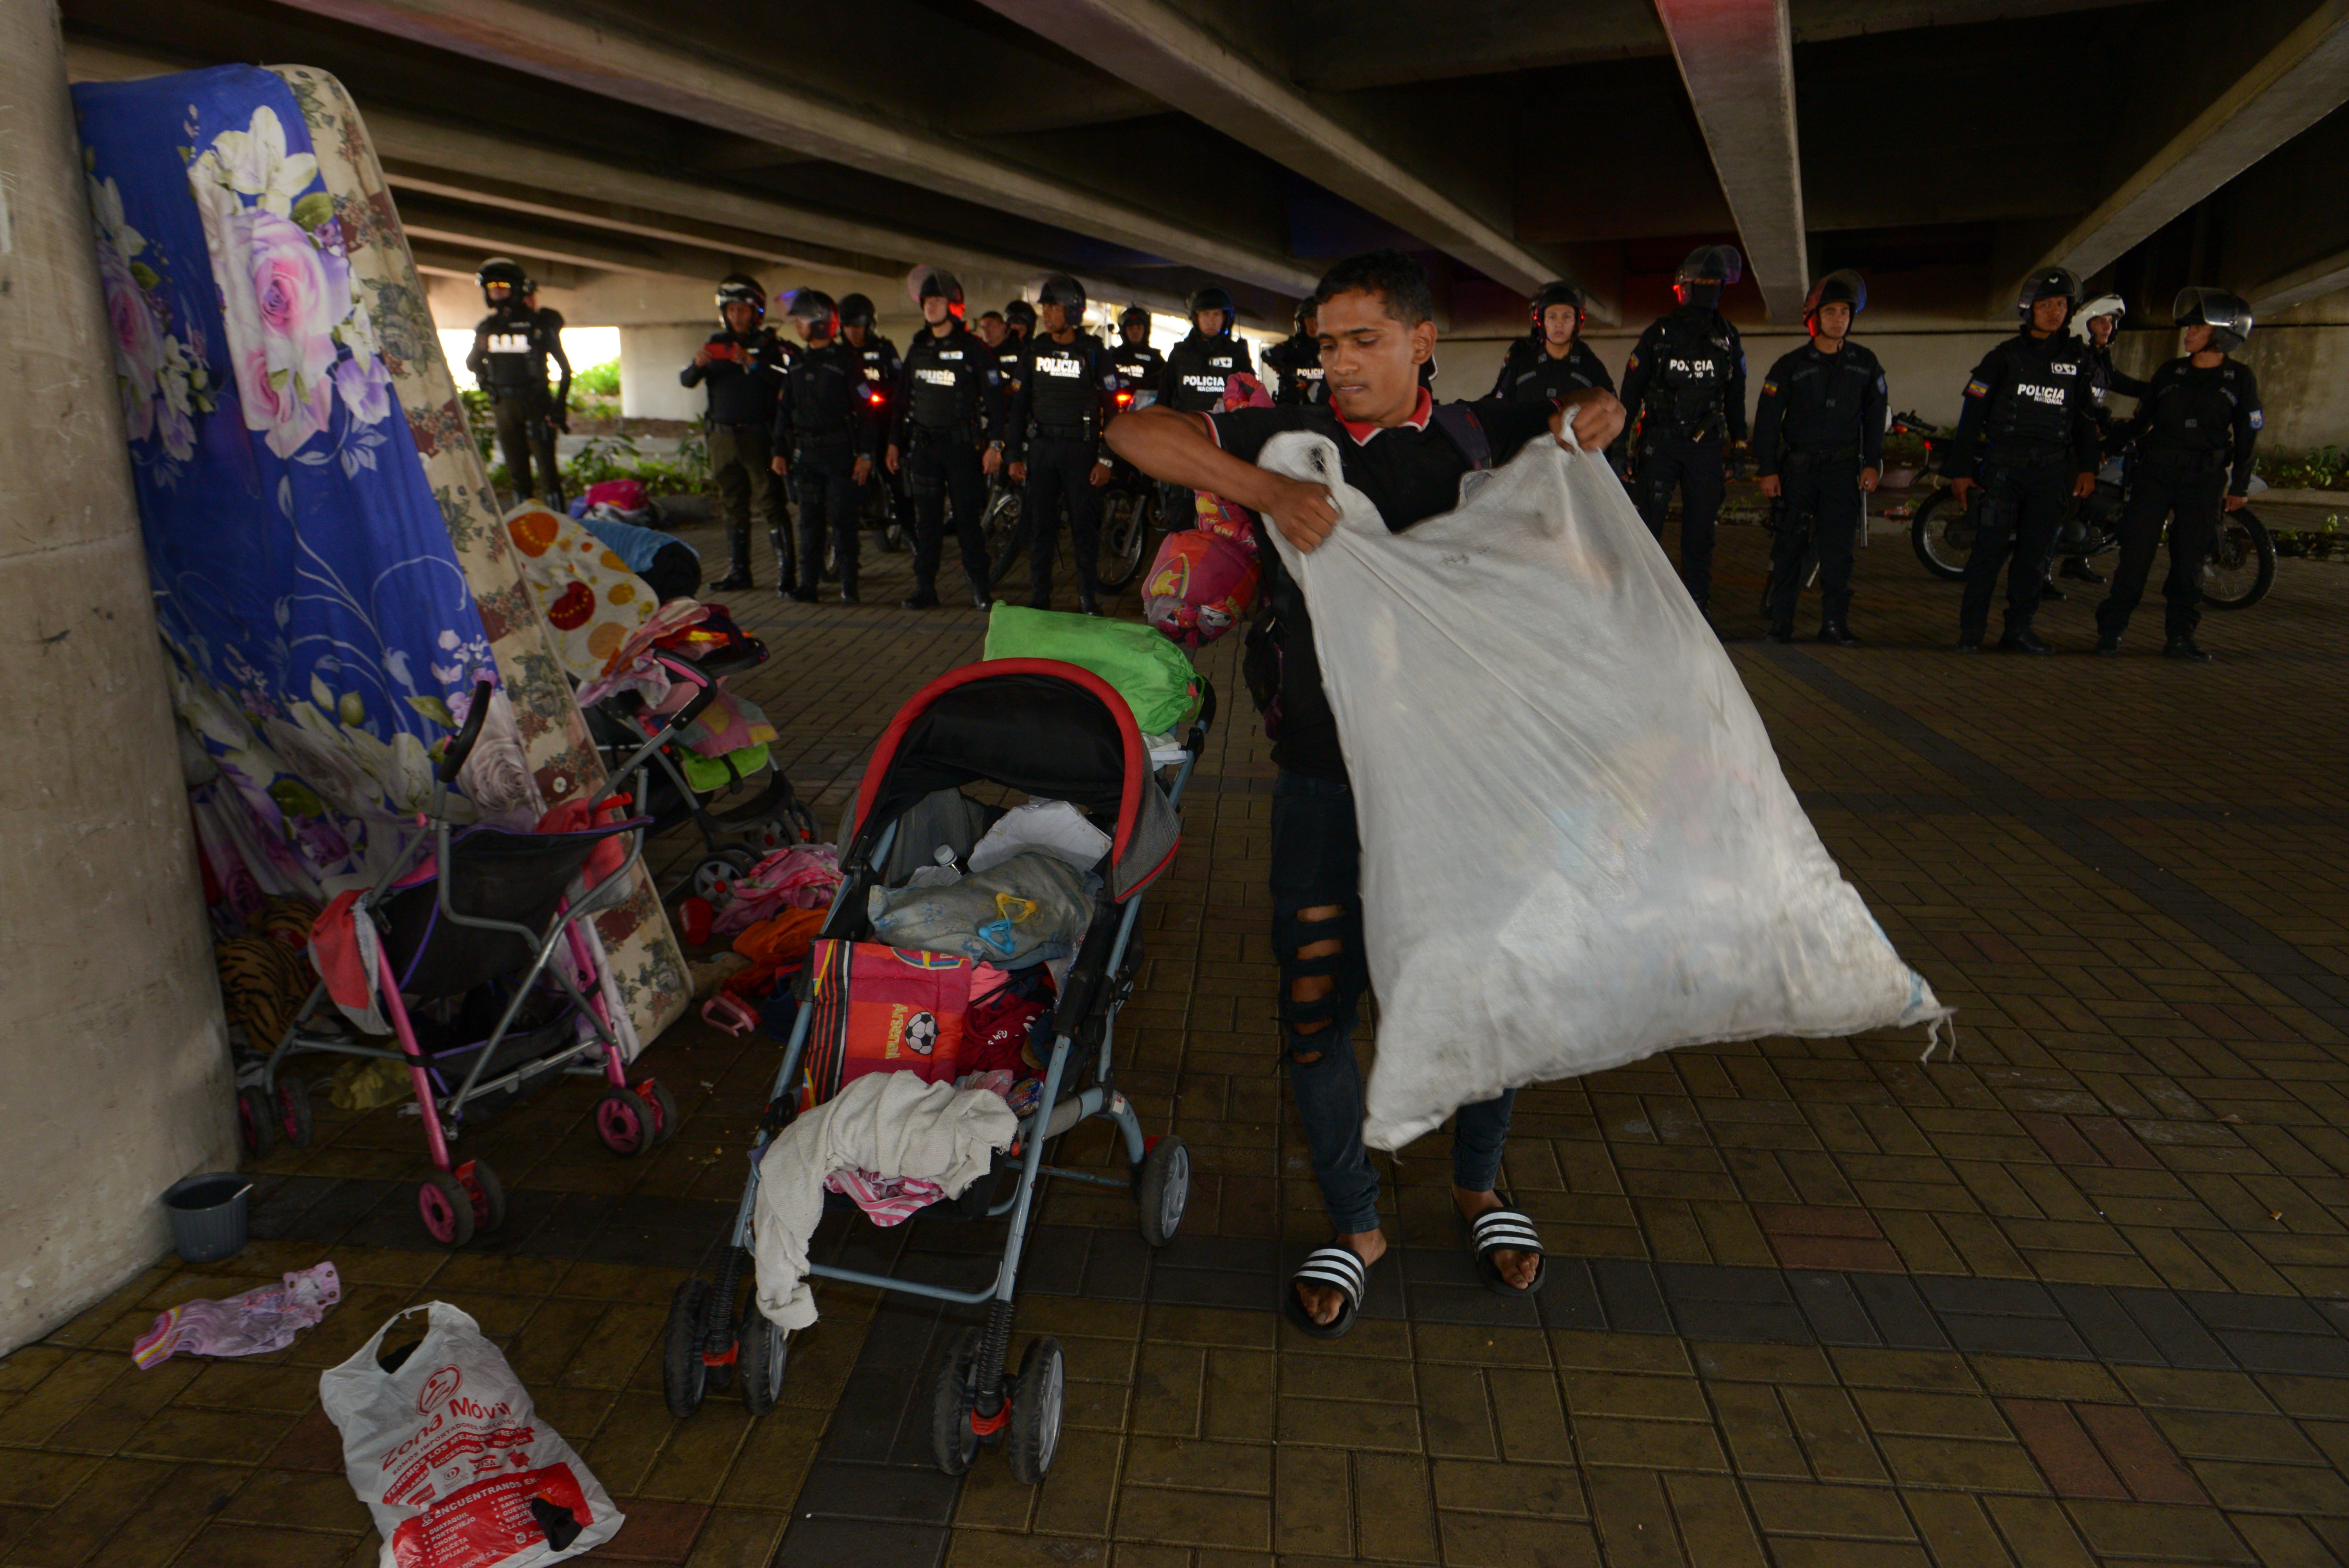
475,948
1051,731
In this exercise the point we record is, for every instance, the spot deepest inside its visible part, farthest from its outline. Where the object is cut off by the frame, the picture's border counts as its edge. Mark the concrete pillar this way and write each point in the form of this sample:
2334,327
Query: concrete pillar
114,1077
650,357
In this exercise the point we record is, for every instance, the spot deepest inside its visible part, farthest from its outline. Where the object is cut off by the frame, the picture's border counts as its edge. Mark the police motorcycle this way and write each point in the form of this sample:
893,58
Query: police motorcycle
2240,571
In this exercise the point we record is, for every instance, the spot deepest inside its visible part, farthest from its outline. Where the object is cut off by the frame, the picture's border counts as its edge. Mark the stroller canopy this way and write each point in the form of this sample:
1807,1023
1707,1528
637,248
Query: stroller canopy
1053,730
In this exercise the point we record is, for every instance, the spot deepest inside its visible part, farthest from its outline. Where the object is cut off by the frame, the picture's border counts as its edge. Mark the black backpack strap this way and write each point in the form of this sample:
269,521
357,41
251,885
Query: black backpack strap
1459,421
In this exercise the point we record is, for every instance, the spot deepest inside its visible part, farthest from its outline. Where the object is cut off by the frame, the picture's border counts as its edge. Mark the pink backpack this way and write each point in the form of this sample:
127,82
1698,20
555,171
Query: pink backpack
1201,584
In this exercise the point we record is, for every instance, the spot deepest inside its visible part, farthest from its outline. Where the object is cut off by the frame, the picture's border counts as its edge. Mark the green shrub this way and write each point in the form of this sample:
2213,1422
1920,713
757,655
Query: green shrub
598,380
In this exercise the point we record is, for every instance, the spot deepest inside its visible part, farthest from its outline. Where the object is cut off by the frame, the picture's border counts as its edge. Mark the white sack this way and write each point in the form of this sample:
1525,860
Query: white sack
1578,848
448,1455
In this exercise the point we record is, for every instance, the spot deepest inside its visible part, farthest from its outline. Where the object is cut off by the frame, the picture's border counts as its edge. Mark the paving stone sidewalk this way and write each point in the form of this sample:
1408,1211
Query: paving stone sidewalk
2080,1295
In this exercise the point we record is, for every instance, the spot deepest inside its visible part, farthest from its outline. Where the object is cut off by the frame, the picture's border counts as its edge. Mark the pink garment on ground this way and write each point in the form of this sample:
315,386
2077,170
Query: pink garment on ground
889,1200
802,876
253,1323
626,495
343,952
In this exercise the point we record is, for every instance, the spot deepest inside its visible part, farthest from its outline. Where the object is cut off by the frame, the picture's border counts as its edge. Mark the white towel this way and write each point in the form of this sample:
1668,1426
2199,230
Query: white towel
892,1124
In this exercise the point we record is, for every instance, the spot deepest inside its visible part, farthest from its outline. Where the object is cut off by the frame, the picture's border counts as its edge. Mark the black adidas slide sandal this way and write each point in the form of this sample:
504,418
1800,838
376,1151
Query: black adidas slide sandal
1337,1267
1503,1230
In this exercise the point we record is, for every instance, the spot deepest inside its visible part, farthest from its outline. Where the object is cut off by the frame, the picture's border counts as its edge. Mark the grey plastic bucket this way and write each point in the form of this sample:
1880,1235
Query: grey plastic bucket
207,1216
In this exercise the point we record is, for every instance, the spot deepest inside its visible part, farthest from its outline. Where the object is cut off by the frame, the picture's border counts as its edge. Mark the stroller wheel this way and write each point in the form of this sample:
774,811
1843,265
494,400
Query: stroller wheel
1162,1186
1036,1404
447,1208
624,1123
684,1378
292,1109
952,1442
764,1348
663,1105
254,1125
487,1194
805,828
715,877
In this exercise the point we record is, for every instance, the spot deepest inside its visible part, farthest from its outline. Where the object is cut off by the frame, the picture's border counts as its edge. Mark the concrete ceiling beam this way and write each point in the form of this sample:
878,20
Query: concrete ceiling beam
1736,59
2294,85
633,68
458,224
1166,53
2328,275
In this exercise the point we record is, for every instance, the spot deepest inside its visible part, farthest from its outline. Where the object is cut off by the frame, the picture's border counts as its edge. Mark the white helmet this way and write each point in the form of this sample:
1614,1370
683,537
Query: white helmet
2103,305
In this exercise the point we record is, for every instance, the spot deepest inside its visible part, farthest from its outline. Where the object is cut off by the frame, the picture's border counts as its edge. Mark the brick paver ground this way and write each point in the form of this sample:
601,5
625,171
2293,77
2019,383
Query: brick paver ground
2080,1295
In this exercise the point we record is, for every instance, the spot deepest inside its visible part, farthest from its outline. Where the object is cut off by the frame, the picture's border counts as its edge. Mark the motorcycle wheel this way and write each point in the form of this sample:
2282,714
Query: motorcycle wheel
2241,568
1124,536
1942,535
1007,536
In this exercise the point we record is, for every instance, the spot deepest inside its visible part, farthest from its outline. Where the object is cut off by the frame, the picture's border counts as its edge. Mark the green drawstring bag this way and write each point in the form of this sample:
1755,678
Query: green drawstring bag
1151,674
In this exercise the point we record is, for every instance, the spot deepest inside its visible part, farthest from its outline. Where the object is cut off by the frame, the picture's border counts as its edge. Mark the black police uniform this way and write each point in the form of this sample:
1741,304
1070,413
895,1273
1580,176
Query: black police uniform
1532,371
1140,369
2027,417
1057,416
739,381
884,368
1196,369
821,419
1686,385
2190,426
937,431
1003,385
511,347
1296,365
1819,421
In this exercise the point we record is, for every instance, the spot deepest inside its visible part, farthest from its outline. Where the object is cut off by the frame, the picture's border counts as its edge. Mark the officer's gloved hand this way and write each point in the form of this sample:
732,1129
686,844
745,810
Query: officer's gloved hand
1741,460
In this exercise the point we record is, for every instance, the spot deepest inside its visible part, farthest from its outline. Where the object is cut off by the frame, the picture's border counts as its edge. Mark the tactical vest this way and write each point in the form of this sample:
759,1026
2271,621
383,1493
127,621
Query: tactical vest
1064,393
515,343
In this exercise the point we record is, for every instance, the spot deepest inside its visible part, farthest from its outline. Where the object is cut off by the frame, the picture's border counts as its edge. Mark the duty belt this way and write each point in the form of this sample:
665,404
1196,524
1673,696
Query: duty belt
1800,456
1039,430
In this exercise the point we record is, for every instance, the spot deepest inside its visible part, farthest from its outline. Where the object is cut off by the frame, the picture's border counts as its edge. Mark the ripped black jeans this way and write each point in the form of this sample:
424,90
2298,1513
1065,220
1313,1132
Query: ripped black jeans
1317,859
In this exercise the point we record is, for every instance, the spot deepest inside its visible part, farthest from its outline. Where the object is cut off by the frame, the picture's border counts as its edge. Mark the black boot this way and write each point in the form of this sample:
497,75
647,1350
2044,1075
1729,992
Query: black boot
924,597
2107,643
2020,640
2049,591
1837,635
737,578
2079,570
1782,631
800,595
1087,604
1969,639
848,595
2184,648
980,599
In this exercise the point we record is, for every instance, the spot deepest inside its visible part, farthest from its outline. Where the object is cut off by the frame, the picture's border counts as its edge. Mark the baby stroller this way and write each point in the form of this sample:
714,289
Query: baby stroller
478,959
734,839
1056,732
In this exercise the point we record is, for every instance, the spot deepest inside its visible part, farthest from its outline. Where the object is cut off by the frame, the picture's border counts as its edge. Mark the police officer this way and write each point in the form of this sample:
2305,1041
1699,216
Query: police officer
511,347
1296,363
1003,375
1818,445
935,436
1054,440
741,366
820,420
2195,427
1140,369
1552,360
2093,325
2025,418
1196,369
992,329
882,368
1686,385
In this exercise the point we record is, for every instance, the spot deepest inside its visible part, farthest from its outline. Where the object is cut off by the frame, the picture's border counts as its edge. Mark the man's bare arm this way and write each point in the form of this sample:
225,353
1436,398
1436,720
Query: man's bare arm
1176,447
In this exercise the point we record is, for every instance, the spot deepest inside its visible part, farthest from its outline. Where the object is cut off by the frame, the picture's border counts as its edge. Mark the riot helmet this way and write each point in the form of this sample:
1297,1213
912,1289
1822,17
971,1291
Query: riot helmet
855,310
1840,287
1021,314
815,313
1132,316
1708,270
933,282
1558,291
1306,311
507,271
2046,283
2102,305
1214,296
1064,290
2227,315
741,288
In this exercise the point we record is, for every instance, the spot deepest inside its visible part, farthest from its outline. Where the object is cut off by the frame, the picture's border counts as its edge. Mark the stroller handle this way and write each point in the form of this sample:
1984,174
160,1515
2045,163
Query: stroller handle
452,760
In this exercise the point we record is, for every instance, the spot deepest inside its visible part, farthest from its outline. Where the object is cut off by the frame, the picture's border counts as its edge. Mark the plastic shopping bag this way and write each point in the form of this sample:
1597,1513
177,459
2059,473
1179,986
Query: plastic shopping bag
1578,848
448,1455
